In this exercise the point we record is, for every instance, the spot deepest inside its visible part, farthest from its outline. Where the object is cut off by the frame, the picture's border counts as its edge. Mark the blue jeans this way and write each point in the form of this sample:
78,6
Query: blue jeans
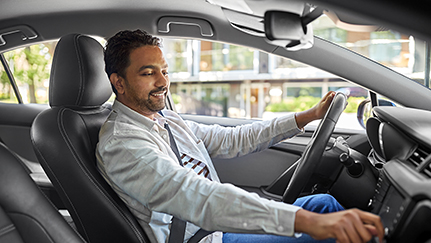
321,203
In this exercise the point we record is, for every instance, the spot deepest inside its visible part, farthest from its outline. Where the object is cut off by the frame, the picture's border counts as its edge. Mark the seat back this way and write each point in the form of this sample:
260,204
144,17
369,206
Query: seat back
25,213
65,138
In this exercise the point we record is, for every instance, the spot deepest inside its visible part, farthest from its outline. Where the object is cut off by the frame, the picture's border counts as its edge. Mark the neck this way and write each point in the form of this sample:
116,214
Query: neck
148,114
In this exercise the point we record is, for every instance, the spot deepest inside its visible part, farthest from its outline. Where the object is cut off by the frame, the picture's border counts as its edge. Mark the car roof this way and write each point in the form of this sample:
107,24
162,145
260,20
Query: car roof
51,19
54,18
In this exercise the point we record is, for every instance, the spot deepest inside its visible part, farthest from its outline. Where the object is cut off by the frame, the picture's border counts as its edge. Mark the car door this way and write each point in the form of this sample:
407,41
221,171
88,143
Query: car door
24,77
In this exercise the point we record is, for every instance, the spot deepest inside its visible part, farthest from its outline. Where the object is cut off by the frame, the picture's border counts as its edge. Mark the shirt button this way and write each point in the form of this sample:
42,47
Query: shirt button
280,228
244,225
164,136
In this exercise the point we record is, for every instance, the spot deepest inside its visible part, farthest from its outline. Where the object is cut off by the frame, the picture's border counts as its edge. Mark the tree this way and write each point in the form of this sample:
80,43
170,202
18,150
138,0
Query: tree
31,65
37,70
4,79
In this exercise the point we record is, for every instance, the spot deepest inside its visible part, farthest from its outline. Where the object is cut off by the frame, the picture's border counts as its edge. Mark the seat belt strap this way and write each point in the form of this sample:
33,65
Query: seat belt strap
174,146
178,229
178,226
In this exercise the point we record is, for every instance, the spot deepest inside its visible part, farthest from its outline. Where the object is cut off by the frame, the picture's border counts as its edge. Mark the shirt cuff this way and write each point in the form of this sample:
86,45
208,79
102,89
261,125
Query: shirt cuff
284,216
288,124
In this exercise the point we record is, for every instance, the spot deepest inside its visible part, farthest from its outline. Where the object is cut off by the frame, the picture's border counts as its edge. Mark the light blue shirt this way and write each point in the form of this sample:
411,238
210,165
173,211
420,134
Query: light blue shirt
135,158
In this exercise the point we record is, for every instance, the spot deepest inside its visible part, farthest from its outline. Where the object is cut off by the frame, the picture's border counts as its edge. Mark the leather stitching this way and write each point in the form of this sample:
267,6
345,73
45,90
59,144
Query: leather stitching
80,69
7,229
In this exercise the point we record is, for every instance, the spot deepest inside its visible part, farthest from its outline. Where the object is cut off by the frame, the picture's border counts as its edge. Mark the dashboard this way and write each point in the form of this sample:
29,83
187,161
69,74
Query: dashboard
401,142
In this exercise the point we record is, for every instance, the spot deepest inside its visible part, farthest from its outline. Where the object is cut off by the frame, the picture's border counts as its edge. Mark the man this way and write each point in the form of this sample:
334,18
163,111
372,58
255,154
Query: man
135,156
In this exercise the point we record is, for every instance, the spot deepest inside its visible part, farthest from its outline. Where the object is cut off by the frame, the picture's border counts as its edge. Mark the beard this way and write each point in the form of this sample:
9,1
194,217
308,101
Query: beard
148,103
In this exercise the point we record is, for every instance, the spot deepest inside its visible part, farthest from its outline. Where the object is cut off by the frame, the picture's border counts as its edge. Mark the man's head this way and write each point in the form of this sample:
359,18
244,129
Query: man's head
137,70
120,45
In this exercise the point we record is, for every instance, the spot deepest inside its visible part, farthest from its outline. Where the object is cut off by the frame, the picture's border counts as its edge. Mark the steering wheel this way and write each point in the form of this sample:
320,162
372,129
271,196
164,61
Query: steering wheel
309,160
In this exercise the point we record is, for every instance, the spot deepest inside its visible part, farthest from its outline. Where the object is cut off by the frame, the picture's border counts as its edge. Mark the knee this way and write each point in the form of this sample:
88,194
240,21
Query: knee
321,203
325,198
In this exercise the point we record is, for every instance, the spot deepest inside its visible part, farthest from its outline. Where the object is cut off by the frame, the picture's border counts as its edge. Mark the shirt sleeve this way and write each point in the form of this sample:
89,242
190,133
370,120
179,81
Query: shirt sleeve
230,142
142,169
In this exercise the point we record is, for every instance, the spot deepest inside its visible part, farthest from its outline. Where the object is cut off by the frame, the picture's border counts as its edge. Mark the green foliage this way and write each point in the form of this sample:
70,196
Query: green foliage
293,104
353,103
29,65
37,64
303,103
176,98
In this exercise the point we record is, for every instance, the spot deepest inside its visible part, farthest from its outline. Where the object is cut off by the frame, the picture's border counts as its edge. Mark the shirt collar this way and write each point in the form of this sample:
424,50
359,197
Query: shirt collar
138,118
160,120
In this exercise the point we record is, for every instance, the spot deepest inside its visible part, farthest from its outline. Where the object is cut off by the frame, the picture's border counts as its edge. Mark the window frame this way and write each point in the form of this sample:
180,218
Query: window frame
11,78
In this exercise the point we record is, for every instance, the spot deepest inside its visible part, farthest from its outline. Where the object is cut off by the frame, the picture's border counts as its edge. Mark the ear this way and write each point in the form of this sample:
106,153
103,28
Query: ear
118,82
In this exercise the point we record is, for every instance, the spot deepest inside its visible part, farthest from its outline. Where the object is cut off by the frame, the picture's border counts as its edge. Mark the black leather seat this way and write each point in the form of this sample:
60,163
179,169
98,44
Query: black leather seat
65,138
25,213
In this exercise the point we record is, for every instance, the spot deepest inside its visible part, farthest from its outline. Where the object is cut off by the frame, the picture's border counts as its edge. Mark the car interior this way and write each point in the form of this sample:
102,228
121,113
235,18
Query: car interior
47,150
26,214
65,138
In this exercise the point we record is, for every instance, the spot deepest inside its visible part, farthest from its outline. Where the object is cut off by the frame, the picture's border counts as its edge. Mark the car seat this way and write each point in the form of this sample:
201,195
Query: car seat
65,138
26,215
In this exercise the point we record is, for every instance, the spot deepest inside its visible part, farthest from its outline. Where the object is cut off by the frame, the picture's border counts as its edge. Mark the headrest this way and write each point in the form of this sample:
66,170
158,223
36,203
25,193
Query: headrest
78,79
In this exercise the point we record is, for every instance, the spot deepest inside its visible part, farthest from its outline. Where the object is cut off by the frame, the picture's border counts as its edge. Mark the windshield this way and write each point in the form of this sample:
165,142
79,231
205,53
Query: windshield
220,79
403,53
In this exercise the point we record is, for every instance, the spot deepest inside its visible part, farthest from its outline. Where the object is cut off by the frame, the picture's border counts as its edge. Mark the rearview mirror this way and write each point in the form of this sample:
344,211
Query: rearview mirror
289,29
284,26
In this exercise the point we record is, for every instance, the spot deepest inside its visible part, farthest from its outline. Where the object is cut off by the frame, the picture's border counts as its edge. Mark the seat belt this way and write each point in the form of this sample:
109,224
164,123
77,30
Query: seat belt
178,226
174,146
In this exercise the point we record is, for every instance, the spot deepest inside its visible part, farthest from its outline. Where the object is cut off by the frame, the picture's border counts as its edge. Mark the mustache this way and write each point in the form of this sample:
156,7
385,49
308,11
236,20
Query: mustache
158,90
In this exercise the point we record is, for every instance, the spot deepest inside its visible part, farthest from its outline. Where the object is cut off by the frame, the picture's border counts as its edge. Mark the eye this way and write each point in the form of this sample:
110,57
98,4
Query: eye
147,74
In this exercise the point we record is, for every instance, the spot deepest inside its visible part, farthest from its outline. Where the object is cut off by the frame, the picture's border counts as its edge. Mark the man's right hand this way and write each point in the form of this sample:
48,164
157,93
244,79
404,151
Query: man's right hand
347,226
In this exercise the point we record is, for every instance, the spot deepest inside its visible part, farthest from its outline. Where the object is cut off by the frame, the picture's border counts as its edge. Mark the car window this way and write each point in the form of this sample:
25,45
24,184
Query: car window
218,79
30,67
7,94
404,54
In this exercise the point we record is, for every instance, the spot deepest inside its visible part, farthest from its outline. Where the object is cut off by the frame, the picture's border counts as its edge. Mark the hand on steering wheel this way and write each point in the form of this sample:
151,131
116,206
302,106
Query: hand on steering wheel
309,160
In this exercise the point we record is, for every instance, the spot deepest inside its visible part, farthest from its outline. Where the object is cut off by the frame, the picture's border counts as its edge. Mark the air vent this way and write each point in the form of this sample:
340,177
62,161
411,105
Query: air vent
418,157
427,171
421,159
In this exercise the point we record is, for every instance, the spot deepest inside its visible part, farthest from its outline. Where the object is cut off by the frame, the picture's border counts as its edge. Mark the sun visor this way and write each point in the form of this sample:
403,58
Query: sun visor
287,27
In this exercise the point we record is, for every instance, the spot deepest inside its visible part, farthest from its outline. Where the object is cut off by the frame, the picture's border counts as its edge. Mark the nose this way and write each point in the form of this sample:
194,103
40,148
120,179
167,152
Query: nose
162,80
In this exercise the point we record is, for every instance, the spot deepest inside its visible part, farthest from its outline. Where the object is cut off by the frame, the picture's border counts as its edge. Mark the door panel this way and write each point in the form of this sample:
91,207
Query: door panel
255,170
15,124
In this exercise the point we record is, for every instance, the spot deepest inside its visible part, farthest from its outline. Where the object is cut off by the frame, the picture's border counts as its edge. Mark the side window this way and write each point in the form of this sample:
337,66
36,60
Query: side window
7,94
218,79
30,67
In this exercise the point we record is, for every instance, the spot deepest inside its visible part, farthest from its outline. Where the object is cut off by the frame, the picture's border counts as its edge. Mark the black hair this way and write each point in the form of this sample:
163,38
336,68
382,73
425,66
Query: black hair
119,47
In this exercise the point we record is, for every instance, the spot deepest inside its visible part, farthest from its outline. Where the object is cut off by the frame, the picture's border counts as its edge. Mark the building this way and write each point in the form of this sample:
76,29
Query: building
225,80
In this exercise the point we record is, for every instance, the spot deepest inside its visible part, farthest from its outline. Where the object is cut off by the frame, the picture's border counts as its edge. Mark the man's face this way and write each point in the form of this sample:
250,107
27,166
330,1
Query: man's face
146,83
